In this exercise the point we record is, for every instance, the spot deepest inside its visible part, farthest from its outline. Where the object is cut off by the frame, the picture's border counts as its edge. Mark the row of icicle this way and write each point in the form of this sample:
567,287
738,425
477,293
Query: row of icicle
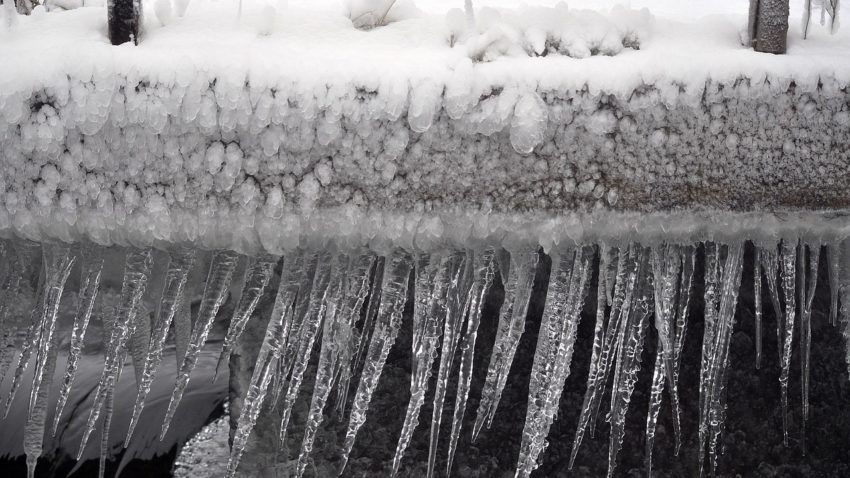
325,293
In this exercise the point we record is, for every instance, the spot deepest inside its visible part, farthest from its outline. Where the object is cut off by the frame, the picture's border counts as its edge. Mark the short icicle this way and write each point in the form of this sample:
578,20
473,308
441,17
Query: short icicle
483,273
215,292
176,276
518,283
394,294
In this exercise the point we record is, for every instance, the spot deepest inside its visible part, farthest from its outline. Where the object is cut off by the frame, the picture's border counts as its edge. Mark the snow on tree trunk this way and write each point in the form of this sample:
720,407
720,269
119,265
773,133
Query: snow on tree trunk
125,18
769,25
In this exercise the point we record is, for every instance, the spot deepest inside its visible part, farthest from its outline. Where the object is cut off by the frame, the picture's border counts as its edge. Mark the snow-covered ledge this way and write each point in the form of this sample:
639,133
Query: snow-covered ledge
233,135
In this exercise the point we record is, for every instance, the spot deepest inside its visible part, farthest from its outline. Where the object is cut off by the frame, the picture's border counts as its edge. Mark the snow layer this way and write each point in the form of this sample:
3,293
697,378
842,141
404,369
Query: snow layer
262,132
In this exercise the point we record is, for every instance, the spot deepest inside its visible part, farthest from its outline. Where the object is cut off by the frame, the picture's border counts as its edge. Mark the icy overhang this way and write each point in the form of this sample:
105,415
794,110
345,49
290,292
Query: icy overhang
268,133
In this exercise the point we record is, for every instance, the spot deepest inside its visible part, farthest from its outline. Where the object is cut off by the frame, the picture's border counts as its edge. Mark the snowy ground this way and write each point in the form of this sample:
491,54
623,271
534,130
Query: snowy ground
217,129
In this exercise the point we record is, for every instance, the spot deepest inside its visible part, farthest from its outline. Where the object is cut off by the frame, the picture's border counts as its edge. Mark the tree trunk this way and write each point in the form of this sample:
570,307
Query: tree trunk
125,19
768,25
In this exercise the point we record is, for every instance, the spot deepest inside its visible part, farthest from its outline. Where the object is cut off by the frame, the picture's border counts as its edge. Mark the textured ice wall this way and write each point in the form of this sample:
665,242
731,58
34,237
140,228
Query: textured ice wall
126,159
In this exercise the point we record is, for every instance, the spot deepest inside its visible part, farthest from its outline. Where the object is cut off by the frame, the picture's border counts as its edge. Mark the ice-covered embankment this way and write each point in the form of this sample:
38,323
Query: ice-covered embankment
446,147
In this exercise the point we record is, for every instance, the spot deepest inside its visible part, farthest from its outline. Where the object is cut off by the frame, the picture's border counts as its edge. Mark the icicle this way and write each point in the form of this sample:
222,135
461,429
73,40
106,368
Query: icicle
433,276
806,327
757,301
483,274
833,256
606,257
359,348
770,265
137,267
555,342
393,296
174,287
257,277
666,268
339,317
58,262
215,292
29,259
789,265
637,307
324,298
182,325
92,269
20,285
37,416
722,285
456,307
688,266
295,268
518,283
139,344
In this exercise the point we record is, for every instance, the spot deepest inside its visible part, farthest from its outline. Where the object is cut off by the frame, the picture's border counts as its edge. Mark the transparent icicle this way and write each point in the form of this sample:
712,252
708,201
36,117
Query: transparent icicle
683,305
833,255
552,358
108,409
257,277
725,281
276,336
352,355
483,273
456,307
139,344
20,285
92,269
809,284
789,270
433,276
215,292
757,301
712,281
58,262
182,326
137,268
393,296
770,266
324,298
30,258
180,264
290,346
339,317
34,431
518,283
607,256
666,268
637,305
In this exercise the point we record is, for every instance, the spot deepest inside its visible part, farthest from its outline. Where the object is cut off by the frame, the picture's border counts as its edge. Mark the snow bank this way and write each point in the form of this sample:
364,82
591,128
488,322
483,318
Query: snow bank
257,134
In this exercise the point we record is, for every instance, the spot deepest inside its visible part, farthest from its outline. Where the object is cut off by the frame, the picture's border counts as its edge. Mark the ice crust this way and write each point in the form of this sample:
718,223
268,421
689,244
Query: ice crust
211,134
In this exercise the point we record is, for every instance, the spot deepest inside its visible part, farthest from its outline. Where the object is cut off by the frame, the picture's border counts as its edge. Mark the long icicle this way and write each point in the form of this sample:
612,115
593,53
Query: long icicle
518,283
92,270
19,286
58,262
257,277
607,256
483,274
810,283
456,307
137,267
637,306
666,268
34,431
552,358
295,269
215,292
712,281
323,299
352,355
789,270
339,316
176,276
433,276
683,306
833,255
393,296
770,265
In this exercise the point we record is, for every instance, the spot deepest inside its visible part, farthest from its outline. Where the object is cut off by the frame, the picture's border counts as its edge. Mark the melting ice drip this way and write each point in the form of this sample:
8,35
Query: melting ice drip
349,304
